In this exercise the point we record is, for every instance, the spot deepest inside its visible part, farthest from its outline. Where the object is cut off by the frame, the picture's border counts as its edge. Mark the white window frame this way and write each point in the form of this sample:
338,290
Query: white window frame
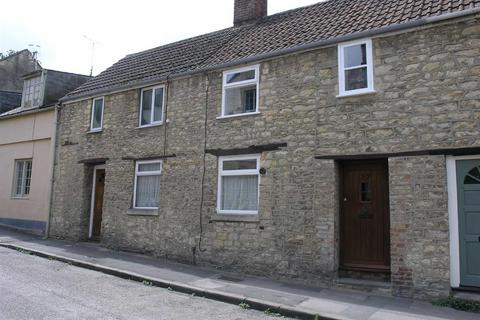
152,123
92,114
341,68
240,84
144,173
249,172
23,195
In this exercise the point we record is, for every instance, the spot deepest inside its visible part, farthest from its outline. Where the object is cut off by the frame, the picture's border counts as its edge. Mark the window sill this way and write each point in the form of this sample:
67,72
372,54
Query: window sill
239,115
142,212
95,131
358,93
150,125
225,217
20,198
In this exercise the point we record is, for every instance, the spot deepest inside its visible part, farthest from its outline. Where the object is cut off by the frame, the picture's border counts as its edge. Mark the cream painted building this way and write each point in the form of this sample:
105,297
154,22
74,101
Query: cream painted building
27,138
26,159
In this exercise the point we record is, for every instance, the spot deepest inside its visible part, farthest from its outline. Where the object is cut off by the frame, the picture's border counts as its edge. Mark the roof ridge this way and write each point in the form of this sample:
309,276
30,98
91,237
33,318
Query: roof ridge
171,44
233,28
66,72
309,26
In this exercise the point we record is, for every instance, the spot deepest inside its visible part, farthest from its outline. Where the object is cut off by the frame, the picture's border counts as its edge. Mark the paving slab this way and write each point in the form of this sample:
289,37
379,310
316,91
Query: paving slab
260,293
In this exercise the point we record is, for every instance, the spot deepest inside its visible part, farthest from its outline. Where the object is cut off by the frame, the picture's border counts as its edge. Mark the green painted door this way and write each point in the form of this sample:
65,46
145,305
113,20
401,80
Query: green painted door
468,187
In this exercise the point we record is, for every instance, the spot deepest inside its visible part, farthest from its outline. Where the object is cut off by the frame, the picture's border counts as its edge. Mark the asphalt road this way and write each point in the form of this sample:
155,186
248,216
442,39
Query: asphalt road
38,288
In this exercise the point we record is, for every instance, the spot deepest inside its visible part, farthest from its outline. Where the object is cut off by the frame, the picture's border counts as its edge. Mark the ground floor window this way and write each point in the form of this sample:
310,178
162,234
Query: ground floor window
147,184
238,184
22,179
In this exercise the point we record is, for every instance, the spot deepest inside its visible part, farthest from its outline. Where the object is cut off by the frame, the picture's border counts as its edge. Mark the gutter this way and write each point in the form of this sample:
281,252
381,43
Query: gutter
309,46
51,178
27,112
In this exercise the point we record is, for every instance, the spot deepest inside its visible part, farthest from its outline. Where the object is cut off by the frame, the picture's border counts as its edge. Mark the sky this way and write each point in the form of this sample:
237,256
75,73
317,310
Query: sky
62,31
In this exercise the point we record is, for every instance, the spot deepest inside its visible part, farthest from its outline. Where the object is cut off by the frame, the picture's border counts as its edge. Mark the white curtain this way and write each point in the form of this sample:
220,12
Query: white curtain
240,193
148,191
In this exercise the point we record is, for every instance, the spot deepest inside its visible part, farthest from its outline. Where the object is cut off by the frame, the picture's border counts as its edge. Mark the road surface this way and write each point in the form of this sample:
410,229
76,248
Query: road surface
36,288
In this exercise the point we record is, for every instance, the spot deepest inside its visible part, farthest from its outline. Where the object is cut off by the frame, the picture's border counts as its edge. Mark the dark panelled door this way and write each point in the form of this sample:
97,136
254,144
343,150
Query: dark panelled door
468,191
365,221
98,203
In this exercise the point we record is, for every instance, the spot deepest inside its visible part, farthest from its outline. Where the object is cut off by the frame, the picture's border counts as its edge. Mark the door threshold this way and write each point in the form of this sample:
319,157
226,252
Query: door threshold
470,295
467,289
365,283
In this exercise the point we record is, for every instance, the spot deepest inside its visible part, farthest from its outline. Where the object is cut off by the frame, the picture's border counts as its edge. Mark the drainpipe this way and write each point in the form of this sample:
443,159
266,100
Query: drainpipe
53,141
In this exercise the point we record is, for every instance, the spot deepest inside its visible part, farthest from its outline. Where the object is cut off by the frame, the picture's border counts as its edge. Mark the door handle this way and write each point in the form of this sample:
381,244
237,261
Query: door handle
345,199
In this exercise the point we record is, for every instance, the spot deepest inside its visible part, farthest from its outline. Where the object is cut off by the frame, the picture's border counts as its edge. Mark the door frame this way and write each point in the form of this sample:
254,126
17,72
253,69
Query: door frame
453,217
92,201
341,165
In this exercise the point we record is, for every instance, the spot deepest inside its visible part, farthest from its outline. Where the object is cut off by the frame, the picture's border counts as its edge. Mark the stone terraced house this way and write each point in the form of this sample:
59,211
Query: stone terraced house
336,144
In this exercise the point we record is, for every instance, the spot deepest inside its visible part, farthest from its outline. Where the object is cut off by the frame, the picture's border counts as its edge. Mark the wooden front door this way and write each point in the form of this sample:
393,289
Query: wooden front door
97,207
364,220
468,194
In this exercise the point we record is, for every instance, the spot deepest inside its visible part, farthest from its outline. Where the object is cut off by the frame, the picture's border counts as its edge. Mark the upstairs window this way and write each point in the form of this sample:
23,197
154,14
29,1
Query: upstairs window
22,179
32,89
96,121
355,63
146,193
238,184
240,91
151,106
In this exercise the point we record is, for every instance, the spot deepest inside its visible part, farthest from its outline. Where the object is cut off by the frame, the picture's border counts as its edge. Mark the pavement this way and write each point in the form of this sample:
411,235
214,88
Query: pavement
258,293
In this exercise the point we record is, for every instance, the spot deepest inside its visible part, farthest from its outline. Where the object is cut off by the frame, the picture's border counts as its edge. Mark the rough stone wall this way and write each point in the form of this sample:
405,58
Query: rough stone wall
419,226
427,97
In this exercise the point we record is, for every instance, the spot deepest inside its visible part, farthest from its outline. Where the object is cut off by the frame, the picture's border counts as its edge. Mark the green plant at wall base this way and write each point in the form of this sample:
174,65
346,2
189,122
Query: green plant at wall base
147,283
244,305
24,251
272,313
458,304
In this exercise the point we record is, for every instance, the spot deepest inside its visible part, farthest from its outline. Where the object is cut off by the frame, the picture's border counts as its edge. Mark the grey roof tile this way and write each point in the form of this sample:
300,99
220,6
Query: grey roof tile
290,29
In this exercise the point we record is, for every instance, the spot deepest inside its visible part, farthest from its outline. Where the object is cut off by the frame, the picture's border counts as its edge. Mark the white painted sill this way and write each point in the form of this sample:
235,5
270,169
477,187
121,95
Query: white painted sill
142,212
229,217
150,125
20,198
354,94
239,115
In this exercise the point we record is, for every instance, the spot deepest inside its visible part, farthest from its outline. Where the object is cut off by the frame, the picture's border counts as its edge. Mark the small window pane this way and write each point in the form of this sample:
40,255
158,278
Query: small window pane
146,107
250,100
356,79
240,100
239,193
28,177
355,55
97,114
158,105
240,164
240,76
144,167
473,176
148,190
365,192
19,178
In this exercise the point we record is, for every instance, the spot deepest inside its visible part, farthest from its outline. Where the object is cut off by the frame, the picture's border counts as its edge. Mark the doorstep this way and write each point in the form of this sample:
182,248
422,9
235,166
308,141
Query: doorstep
467,295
